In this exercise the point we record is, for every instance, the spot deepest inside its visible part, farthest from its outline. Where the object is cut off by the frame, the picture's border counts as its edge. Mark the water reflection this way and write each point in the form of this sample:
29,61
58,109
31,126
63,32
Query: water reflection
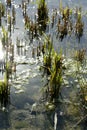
25,88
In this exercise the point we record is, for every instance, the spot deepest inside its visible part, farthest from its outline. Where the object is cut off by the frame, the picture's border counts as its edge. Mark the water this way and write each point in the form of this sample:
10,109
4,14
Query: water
25,110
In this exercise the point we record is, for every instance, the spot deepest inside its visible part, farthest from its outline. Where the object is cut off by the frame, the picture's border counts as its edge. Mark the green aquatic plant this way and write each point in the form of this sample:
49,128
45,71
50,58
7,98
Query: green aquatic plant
84,95
2,86
4,36
13,15
60,6
66,12
27,22
47,59
4,89
24,7
47,64
56,76
9,24
33,29
8,2
62,29
8,66
52,62
79,28
2,9
42,12
6,78
80,55
66,25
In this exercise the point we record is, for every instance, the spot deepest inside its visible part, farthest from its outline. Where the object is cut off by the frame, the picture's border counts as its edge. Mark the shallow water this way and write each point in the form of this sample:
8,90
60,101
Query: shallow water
25,110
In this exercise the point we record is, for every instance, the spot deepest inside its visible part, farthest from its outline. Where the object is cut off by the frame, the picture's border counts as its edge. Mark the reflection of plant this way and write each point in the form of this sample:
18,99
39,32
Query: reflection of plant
42,15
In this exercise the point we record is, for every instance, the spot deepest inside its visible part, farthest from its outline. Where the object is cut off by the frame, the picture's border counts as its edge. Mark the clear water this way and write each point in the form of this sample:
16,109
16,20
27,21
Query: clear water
25,110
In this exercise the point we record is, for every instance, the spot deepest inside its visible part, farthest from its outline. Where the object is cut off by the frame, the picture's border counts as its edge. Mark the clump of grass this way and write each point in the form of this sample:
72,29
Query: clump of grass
3,94
42,12
2,9
8,3
83,95
4,37
31,27
4,90
56,76
80,55
2,86
53,67
48,54
13,15
79,30
9,24
27,22
66,26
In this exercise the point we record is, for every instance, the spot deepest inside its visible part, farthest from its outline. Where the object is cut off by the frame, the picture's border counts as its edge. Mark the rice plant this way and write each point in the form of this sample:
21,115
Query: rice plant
8,3
52,63
66,26
2,11
42,12
47,59
80,55
56,76
4,87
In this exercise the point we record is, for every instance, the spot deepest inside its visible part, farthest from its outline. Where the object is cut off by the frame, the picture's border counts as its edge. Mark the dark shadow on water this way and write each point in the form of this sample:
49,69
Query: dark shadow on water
4,110
4,120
